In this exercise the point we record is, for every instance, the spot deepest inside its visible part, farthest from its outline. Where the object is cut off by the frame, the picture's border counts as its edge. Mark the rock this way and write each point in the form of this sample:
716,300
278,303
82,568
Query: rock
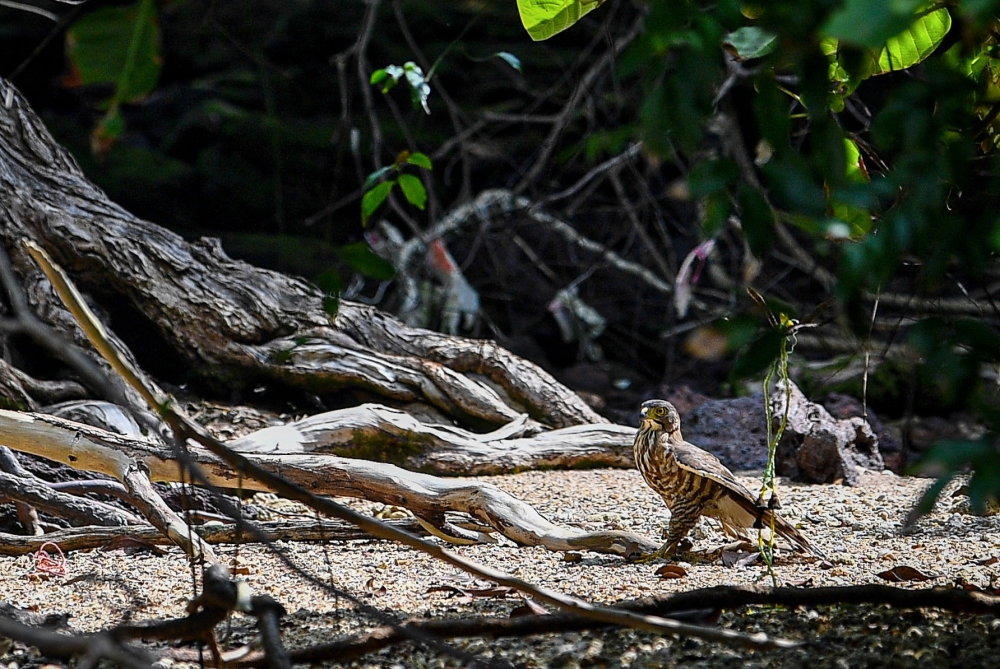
734,430
844,407
818,448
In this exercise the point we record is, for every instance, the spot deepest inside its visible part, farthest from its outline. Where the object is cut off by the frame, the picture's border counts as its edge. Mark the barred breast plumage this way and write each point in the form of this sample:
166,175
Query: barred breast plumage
693,483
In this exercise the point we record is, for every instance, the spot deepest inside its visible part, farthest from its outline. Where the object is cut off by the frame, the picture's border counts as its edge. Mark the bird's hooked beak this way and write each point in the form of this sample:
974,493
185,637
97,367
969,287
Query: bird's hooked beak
654,424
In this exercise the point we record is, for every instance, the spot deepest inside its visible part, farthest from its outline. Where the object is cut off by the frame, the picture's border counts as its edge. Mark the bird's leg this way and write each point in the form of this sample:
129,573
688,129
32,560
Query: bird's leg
682,521
664,552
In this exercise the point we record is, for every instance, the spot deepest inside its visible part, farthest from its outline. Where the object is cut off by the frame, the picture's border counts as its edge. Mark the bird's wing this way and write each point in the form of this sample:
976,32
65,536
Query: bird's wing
703,463
740,510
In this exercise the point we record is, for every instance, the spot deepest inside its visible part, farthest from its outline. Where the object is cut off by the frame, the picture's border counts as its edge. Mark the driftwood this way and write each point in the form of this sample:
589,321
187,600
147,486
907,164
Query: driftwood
376,432
108,538
428,497
232,321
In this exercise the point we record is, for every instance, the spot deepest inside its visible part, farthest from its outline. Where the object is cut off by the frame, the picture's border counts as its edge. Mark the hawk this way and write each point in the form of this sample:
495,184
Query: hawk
694,483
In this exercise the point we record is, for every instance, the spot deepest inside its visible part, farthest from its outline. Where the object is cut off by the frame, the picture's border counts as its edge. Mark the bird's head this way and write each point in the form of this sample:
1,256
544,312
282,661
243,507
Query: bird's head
661,415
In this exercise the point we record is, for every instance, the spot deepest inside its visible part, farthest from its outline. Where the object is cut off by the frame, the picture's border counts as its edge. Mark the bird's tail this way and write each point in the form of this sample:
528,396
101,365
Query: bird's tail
788,532
739,515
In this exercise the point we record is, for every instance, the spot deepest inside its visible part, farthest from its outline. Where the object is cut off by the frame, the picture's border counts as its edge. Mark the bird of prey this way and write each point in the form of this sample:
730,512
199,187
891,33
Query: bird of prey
694,483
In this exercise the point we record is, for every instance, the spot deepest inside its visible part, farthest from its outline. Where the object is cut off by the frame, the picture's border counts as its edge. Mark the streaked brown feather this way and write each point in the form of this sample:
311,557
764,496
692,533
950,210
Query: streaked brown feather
678,470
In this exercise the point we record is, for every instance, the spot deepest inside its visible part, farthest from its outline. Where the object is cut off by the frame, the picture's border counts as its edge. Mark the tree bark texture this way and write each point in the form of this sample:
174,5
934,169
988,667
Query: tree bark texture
428,497
234,321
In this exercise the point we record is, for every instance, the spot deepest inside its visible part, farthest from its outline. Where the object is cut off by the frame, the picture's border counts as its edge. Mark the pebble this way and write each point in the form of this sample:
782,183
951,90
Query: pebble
858,527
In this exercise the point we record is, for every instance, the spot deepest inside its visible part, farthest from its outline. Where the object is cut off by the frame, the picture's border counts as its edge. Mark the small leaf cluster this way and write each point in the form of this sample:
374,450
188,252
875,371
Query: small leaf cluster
377,191
387,77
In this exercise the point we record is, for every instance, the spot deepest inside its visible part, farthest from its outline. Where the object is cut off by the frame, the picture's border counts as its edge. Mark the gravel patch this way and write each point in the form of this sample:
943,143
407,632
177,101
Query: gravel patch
860,529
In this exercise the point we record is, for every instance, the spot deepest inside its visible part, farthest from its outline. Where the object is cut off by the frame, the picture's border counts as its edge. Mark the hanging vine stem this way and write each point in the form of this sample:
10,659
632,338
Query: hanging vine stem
768,484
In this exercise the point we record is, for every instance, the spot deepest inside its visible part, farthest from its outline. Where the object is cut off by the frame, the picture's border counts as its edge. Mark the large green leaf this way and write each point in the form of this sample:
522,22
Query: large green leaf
544,18
871,24
899,52
362,259
119,45
914,44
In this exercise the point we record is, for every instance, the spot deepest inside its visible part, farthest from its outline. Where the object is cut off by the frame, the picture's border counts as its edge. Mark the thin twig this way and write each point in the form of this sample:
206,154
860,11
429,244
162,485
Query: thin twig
584,84
505,201
693,604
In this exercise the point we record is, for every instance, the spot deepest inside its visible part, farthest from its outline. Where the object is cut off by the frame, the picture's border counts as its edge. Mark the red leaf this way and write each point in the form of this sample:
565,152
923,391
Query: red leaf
905,573
671,571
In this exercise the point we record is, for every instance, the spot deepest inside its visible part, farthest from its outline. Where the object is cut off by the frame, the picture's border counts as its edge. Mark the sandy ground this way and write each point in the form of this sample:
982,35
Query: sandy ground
859,528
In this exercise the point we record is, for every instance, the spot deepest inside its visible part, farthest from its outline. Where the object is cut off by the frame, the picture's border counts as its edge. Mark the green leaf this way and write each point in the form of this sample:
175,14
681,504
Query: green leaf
329,281
414,190
111,126
751,42
850,222
376,175
373,199
711,176
362,259
914,44
856,171
759,355
119,45
420,160
717,208
510,59
544,18
331,305
757,219
388,76
870,24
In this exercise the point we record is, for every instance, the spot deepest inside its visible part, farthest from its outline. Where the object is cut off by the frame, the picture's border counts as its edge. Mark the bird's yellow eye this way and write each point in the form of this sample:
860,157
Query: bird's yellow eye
659,411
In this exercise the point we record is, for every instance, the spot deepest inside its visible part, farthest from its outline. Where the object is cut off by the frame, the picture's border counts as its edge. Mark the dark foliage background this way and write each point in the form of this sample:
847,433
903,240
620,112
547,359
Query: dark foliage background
262,128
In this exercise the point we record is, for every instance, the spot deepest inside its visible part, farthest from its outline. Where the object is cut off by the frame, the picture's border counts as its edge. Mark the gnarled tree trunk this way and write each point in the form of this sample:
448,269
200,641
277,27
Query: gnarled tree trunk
228,318
237,322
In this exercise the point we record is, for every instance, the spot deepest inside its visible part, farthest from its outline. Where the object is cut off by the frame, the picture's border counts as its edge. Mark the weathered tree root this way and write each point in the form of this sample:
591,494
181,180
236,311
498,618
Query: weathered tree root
376,432
231,319
428,497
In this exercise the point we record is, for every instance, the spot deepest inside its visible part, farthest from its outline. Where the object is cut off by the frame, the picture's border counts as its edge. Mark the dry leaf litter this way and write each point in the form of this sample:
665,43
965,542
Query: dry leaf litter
859,528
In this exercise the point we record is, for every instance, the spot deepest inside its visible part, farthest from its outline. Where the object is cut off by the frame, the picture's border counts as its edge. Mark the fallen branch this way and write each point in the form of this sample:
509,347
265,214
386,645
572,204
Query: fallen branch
36,493
377,432
730,597
90,537
428,497
694,605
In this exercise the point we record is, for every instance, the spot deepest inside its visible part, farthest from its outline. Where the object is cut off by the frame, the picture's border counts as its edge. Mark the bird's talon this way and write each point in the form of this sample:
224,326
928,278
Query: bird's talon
647,558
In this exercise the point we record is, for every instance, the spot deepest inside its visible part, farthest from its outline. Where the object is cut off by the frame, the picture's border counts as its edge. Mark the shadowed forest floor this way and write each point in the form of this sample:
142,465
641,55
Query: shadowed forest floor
859,528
